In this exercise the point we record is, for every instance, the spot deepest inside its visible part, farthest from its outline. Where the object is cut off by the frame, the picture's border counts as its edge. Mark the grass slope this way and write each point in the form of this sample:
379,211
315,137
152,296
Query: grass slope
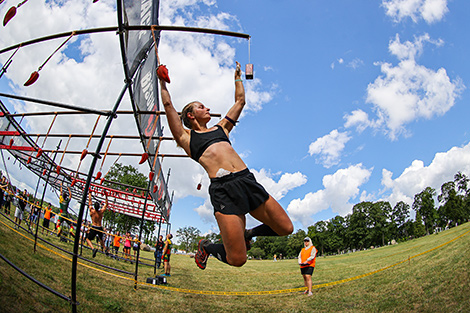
429,281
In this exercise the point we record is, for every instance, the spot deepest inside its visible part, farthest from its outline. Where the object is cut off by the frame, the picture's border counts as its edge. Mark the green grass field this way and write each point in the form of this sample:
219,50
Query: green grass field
434,277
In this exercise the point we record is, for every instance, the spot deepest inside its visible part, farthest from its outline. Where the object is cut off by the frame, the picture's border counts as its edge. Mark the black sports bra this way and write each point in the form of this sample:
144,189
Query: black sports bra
199,142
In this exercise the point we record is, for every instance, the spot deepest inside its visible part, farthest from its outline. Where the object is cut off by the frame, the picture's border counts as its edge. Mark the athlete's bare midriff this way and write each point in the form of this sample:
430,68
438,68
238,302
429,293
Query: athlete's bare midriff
221,155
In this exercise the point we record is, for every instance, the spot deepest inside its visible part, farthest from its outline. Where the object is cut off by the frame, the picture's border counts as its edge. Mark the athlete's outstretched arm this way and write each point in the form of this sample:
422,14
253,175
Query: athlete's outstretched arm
176,126
105,202
235,111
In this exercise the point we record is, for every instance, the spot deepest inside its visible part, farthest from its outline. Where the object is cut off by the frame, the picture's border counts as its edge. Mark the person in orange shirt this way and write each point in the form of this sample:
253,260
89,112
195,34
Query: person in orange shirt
307,258
47,219
116,243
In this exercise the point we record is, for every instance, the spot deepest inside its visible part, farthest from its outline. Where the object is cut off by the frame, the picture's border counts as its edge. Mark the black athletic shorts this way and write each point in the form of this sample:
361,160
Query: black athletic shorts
237,193
95,231
307,270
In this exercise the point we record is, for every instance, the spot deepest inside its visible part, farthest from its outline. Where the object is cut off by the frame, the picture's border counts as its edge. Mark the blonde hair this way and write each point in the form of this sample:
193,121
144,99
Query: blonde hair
188,108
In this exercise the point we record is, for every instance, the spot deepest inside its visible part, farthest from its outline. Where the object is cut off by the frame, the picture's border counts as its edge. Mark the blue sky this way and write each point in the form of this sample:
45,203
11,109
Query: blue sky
351,101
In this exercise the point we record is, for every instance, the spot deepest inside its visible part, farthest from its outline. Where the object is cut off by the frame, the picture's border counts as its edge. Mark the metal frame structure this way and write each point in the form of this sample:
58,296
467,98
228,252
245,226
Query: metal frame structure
23,147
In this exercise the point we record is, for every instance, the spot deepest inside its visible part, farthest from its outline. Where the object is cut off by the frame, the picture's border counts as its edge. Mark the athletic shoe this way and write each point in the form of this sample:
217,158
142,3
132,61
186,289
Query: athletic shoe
201,254
94,252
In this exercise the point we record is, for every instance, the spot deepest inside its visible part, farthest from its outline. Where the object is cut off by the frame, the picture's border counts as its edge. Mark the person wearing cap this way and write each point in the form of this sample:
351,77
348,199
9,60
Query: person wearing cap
307,257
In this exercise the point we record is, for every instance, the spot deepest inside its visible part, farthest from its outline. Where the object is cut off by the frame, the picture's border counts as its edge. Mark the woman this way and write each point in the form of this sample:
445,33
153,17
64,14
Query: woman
234,191
127,247
159,251
307,258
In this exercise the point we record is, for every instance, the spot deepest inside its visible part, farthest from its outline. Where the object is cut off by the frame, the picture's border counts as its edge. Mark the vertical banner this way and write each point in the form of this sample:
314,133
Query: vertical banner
139,12
142,63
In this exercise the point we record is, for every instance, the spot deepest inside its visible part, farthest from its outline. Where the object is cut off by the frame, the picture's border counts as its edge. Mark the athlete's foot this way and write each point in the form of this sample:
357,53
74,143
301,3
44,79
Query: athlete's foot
310,294
201,254
94,252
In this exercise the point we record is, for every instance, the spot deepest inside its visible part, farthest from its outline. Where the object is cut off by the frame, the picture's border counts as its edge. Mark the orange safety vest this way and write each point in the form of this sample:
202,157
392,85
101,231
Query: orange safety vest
305,254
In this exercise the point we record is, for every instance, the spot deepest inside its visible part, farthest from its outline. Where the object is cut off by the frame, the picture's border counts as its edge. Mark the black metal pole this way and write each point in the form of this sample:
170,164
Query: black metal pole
56,104
84,197
43,194
142,220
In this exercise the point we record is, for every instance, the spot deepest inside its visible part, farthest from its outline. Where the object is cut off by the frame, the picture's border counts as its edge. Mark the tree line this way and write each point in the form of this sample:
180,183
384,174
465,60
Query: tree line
370,224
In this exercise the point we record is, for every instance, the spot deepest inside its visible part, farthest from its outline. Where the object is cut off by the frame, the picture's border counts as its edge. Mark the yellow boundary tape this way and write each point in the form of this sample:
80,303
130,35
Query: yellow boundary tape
249,293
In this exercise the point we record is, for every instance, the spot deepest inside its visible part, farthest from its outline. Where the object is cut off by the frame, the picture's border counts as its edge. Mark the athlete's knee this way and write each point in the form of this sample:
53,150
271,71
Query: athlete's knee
237,261
286,229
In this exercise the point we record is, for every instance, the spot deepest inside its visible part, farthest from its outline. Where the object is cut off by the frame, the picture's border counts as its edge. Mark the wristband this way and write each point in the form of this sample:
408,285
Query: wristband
234,123
238,80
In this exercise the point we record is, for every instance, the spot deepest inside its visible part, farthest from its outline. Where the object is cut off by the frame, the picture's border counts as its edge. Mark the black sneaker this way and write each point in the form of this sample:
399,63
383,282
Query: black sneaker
201,254
94,252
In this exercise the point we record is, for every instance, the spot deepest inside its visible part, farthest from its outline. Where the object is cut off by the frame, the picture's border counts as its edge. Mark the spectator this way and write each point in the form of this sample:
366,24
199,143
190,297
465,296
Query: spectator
307,257
159,251
47,218
127,247
166,254
116,243
20,208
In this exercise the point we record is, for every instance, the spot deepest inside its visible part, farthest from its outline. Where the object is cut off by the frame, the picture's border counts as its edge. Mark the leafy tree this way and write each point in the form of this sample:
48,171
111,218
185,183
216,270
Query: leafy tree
451,209
398,218
295,243
256,253
358,226
317,233
424,204
126,176
377,222
419,229
188,236
336,234
462,181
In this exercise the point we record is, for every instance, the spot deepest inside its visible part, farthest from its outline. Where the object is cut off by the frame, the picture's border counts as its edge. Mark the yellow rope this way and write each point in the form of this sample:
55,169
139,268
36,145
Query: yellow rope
250,293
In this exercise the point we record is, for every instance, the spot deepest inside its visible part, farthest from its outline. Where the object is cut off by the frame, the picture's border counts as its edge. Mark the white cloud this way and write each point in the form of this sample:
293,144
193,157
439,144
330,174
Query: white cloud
358,119
356,63
429,10
329,147
340,188
417,176
411,50
410,91
286,182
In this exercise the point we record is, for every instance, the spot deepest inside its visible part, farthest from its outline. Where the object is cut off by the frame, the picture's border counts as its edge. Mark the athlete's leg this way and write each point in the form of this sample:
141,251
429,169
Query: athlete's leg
232,229
90,244
274,218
